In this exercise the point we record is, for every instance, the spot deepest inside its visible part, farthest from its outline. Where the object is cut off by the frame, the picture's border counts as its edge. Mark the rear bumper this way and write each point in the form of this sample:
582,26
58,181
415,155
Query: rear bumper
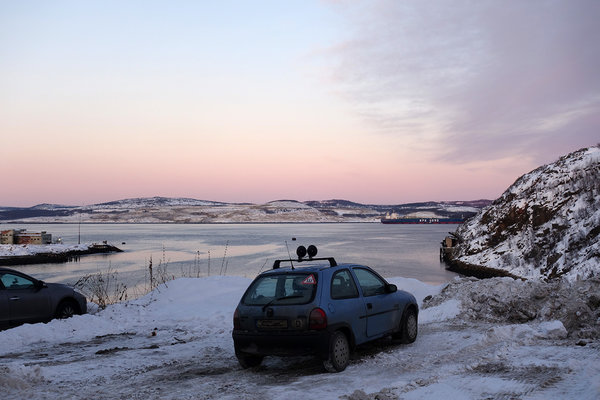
282,343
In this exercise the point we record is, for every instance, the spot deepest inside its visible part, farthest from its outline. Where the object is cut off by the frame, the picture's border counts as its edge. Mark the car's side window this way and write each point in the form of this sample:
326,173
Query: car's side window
370,283
343,286
11,281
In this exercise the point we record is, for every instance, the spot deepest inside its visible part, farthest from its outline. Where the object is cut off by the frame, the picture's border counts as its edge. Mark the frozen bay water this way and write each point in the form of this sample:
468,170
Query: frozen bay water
175,343
411,251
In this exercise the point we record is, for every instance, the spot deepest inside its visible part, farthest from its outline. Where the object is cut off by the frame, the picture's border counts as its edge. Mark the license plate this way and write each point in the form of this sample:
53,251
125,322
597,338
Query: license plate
271,324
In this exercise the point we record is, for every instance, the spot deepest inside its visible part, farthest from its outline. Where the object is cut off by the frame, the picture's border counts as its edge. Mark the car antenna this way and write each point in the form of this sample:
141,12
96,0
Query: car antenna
289,255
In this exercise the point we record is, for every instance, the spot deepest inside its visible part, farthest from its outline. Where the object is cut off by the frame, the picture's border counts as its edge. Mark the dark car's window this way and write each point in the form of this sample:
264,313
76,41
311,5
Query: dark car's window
282,289
12,281
370,283
343,286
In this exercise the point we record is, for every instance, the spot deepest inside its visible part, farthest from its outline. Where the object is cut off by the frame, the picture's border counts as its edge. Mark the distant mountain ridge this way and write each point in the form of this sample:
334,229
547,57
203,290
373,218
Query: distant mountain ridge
187,210
156,201
546,225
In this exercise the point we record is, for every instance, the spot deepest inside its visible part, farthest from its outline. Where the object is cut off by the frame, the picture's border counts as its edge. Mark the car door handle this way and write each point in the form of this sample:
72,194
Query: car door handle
369,306
15,298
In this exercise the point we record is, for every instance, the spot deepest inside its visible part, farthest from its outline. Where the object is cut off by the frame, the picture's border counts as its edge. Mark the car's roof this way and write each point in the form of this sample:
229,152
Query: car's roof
306,268
3,269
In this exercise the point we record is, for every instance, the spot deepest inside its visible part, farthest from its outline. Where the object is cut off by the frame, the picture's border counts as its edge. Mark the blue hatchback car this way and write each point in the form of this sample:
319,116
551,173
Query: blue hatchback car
323,308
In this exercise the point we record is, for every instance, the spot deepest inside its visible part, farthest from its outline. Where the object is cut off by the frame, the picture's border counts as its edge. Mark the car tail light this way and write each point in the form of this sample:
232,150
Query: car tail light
236,320
317,319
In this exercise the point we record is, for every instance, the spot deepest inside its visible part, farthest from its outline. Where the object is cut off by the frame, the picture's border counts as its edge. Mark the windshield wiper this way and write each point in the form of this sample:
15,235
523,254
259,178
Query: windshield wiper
281,298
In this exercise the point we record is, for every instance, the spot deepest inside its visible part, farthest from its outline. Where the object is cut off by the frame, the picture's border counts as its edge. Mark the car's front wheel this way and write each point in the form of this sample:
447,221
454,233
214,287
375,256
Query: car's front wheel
409,327
66,309
339,353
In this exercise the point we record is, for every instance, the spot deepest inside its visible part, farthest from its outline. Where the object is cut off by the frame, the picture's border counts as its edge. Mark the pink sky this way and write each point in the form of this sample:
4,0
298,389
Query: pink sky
379,102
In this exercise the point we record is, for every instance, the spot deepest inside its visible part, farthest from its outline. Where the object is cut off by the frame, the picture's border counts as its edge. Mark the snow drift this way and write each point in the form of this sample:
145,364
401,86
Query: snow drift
505,300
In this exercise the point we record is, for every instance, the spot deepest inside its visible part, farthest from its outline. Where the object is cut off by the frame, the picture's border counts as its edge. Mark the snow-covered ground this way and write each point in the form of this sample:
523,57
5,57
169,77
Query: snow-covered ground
175,343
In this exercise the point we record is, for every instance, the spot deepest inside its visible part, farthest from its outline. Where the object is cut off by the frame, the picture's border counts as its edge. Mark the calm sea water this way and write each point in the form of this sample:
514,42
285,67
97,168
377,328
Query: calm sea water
410,251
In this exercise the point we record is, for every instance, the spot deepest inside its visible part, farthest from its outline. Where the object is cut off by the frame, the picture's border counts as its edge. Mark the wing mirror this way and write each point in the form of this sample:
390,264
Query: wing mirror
39,285
390,288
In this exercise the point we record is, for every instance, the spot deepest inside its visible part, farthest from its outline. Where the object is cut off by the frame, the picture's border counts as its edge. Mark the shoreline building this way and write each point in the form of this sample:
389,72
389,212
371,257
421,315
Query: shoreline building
21,236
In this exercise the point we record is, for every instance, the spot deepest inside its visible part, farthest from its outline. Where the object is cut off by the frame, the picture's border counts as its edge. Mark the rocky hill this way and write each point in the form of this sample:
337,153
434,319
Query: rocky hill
546,225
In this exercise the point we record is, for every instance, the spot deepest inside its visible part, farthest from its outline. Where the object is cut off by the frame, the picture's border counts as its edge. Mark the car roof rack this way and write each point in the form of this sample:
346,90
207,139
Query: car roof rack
302,251
332,262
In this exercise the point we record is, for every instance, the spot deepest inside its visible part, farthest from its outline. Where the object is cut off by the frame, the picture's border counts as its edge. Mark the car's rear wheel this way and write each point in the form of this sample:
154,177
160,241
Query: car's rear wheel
409,327
248,360
339,353
66,309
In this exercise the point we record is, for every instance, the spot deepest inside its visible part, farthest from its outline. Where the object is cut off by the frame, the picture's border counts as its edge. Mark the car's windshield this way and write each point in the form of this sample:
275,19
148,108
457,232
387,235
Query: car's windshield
289,288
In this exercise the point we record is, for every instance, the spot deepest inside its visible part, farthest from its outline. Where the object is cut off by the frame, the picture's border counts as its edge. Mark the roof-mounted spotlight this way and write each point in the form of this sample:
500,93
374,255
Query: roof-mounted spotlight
312,251
301,252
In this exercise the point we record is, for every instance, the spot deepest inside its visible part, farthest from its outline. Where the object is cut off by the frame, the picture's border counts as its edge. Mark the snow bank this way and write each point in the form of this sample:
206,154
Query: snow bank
9,250
527,333
447,310
186,303
417,288
504,300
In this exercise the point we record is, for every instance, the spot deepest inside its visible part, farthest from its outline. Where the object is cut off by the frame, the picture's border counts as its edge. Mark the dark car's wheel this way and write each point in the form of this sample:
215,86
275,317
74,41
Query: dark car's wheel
66,309
409,327
248,360
339,353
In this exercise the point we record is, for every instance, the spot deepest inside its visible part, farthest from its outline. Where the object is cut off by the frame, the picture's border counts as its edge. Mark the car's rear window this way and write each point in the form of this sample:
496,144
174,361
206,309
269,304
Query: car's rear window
282,289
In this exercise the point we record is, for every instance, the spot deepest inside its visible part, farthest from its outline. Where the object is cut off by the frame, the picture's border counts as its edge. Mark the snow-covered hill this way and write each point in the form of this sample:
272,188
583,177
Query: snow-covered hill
186,210
546,225
154,202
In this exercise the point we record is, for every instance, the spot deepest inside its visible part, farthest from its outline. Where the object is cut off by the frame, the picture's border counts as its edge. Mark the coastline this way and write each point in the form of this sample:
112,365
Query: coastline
477,271
57,256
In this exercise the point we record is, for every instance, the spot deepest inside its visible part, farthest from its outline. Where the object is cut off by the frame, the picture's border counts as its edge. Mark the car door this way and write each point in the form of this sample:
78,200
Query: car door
381,309
346,306
4,313
26,303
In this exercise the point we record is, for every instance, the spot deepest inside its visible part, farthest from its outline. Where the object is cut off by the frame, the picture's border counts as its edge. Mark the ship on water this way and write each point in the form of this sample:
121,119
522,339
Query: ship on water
419,218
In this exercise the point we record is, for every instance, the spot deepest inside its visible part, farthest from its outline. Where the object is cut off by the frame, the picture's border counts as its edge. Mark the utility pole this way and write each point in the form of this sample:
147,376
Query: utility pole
79,230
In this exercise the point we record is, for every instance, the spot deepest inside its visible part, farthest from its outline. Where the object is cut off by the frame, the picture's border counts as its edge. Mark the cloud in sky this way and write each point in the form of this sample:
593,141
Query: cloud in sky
476,80
374,101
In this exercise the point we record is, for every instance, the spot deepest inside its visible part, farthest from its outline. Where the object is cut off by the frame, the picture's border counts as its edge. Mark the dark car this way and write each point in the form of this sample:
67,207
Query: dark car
323,309
24,299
